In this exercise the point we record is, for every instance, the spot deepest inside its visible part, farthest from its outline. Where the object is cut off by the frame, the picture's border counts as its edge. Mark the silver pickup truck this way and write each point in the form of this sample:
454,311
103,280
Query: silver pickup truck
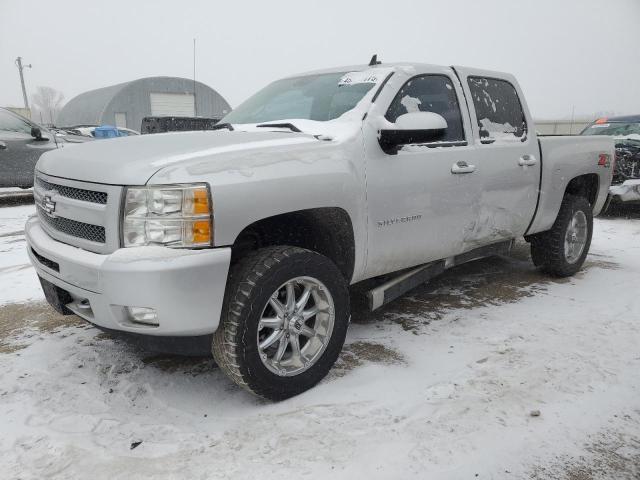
249,236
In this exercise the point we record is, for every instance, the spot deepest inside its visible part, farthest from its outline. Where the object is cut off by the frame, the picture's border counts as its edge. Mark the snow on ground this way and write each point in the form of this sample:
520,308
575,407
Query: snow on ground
439,385
17,280
14,190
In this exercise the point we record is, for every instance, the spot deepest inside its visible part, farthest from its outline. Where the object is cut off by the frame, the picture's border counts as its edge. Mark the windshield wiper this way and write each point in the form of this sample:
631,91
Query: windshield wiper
220,126
290,126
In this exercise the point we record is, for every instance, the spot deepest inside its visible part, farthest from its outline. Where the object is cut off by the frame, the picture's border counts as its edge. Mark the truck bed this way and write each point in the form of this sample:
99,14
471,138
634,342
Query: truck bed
563,158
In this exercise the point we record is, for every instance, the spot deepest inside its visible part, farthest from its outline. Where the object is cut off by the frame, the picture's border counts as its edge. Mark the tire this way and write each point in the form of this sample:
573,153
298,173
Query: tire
548,249
258,284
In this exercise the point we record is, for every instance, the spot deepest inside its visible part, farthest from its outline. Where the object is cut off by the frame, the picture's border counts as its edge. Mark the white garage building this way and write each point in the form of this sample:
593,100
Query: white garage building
126,104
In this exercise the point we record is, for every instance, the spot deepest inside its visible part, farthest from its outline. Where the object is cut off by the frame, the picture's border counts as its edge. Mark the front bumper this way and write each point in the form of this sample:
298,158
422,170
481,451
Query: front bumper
629,191
185,287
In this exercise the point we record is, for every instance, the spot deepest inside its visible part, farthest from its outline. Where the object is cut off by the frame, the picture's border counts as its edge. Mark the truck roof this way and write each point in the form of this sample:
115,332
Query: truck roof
397,66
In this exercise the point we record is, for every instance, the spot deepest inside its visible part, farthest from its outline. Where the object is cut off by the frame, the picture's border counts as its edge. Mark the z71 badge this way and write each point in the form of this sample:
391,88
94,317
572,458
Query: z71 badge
604,160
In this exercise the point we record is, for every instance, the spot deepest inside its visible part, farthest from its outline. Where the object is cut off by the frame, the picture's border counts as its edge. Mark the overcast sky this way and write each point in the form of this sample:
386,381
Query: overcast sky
565,53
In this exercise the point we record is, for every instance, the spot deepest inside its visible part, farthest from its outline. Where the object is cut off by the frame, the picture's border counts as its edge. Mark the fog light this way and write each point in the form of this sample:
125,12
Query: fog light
146,316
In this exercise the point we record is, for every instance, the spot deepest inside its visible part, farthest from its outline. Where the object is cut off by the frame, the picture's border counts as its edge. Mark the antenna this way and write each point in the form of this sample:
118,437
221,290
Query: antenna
374,60
195,100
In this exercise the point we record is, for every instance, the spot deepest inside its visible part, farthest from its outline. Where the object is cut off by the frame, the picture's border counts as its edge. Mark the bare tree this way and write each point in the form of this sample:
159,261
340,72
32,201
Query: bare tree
47,102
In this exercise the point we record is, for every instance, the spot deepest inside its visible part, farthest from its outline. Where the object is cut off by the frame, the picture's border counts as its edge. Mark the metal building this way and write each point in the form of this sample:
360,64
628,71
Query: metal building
125,104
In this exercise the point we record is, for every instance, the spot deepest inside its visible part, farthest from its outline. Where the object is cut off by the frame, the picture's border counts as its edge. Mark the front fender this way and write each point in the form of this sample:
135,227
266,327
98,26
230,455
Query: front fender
250,186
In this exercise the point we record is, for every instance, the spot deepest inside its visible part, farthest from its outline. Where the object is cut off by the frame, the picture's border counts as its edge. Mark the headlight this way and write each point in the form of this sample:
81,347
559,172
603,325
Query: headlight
168,215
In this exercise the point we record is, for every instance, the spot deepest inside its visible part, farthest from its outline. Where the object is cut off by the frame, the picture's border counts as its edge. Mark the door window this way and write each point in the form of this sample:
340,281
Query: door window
13,123
430,93
498,110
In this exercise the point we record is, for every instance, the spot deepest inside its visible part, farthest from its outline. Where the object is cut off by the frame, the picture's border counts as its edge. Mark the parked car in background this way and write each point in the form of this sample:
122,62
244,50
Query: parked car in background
127,132
107,131
21,144
104,131
86,130
625,186
176,124
69,137
246,238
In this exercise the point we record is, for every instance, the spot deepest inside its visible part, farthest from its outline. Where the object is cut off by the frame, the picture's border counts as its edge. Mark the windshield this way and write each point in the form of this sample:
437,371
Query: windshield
615,129
312,97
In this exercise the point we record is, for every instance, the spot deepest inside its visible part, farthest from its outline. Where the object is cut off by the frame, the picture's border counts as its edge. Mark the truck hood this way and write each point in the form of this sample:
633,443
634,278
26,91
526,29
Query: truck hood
134,160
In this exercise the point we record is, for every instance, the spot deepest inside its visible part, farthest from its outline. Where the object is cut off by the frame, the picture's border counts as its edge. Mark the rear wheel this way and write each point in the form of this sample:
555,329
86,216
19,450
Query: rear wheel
284,321
561,251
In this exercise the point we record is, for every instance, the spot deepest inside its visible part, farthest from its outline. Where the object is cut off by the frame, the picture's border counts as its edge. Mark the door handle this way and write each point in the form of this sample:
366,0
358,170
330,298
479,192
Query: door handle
462,167
3,146
527,160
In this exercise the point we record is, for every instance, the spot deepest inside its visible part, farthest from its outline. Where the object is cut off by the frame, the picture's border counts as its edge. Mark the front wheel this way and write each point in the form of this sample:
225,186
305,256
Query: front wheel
562,250
283,323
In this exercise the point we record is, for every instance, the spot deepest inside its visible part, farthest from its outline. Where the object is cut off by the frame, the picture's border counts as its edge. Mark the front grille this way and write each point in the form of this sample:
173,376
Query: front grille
74,193
93,233
45,261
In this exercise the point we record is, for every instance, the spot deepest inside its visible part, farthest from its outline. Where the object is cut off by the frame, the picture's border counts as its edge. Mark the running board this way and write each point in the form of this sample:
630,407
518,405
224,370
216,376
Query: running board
398,286
500,248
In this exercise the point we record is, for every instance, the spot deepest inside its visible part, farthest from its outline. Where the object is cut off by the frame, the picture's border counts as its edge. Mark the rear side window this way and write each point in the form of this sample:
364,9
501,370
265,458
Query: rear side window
430,93
498,110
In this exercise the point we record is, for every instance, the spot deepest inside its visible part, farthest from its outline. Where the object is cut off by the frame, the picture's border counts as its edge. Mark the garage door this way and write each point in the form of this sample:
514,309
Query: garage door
170,104
121,120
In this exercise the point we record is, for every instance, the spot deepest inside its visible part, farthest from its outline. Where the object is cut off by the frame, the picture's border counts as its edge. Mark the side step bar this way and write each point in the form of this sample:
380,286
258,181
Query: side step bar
400,285
408,280
500,248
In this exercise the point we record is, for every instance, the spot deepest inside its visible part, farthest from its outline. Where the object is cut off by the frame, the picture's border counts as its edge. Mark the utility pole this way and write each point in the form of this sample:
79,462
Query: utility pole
24,89
195,103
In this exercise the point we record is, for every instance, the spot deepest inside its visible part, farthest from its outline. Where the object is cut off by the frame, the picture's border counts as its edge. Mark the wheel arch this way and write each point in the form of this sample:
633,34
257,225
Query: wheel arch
328,231
586,186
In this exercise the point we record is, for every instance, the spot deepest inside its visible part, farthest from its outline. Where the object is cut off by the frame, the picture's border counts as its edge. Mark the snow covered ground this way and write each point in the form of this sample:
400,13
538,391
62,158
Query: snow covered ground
17,280
441,384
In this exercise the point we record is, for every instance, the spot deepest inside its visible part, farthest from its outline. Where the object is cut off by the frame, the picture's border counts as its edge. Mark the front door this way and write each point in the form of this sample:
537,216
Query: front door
421,199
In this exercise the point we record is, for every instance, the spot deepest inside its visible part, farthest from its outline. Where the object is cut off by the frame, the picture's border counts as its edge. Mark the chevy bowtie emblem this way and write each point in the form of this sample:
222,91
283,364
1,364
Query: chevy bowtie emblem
48,205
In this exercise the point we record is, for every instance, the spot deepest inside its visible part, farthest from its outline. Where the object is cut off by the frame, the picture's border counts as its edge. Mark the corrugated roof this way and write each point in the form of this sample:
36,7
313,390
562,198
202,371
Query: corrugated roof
87,107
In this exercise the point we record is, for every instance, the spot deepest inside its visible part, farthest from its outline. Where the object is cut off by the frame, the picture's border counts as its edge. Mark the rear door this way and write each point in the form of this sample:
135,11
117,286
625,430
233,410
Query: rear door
507,155
19,151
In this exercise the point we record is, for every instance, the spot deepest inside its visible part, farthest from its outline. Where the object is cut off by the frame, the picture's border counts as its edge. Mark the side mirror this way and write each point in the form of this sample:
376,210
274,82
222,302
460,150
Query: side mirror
414,127
36,133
